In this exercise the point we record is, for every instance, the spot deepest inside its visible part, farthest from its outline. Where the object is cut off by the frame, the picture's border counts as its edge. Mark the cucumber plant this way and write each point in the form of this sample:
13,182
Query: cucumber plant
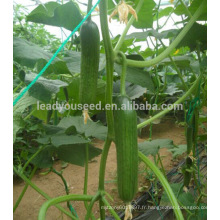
122,124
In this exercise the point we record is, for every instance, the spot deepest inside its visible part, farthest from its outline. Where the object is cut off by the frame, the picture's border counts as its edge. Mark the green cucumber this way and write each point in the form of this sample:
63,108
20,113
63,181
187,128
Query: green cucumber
90,49
125,124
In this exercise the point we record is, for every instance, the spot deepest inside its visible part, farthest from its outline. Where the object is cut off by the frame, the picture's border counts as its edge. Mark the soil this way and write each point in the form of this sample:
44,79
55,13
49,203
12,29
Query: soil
74,175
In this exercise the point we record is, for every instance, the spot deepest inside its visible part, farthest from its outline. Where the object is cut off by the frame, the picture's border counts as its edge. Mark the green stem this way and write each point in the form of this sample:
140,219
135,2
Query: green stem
55,201
24,190
177,70
89,8
123,73
164,112
161,164
178,39
89,210
30,114
115,215
18,86
86,179
186,9
165,185
109,65
31,158
130,22
42,192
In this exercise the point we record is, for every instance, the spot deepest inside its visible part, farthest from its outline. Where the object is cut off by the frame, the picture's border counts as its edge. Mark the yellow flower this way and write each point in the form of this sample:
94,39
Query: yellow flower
177,51
123,10
86,116
171,1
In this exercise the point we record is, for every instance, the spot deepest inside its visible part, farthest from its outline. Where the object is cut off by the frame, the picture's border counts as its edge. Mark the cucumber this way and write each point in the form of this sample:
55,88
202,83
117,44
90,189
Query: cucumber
90,49
125,125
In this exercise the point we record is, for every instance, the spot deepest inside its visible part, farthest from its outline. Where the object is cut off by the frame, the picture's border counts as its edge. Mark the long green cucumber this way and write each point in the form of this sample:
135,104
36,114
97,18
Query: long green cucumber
125,124
90,49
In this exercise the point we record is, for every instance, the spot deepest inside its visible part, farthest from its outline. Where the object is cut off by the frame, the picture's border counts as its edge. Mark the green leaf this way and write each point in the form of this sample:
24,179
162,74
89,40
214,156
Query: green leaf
75,154
152,147
29,54
63,139
171,90
18,109
44,158
91,129
153,33
163,12
137,76
133,91
67,15
186,199
179,150
43,88
145,15
73,61
180,10
196,34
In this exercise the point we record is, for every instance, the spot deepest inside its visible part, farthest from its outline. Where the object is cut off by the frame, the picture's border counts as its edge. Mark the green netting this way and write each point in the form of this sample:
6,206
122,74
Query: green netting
53,57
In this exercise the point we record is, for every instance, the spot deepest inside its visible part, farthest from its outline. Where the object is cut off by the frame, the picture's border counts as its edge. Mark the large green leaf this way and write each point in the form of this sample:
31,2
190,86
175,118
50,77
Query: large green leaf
43,88
186,199
137,76
73,61
197,34
133,91
45,158
67,15
179,150
75,154
145,15
152,147
29,54
180,10
91,129
63,139
163,12
18,109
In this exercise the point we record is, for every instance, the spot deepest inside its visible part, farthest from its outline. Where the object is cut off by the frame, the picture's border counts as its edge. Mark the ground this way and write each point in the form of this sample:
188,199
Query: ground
52,184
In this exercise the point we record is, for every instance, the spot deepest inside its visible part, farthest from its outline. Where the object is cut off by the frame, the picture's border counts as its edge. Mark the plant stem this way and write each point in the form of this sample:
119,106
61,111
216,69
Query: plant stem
89,6
123,73
165,185
109,65
31,158
178,39
24,190
164,112
55,201
115,215
42,192
30,114
86,179
66,189
130,22
186,9
18,86
161,163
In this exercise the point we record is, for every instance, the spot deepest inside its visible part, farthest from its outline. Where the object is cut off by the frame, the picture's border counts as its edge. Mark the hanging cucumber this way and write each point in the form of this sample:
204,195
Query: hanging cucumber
125,122
90,46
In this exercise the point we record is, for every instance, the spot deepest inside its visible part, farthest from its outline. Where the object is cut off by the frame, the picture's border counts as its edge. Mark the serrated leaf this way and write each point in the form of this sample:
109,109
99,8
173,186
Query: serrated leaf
152,147
29,54
179,150
63,139
145,15
137,76
43,88
75,154
186,199
67,15
91,129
